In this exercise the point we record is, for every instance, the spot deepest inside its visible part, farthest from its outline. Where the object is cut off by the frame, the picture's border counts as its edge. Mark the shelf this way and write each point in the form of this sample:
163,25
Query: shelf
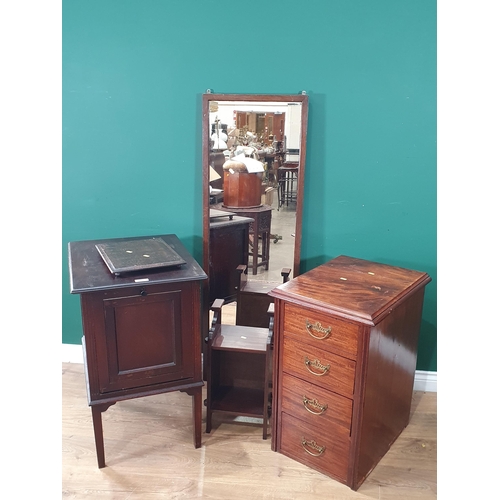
241,339
238,400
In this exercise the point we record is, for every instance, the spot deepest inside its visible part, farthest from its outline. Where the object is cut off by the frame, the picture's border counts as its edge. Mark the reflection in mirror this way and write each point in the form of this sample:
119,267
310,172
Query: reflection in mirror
254,150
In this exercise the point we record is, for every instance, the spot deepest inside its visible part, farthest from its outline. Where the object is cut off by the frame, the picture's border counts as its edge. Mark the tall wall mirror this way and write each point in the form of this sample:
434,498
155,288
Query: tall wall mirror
254,151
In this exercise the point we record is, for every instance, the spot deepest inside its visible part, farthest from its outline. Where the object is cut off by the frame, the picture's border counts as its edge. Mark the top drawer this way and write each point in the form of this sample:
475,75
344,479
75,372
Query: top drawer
321,330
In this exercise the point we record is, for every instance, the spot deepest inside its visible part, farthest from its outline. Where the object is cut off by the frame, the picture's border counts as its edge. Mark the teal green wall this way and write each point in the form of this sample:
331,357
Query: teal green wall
133,76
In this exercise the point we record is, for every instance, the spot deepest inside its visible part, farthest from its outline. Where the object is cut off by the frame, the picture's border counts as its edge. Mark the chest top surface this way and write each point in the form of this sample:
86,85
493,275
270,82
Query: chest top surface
353,288
89,273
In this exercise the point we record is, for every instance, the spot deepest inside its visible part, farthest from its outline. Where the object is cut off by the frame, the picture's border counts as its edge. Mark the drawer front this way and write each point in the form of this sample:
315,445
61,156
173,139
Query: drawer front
325,452
319,367
322,330
316,407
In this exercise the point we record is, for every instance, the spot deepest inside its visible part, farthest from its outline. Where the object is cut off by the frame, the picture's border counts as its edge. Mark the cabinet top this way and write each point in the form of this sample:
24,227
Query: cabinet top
353,288
226,222
89,273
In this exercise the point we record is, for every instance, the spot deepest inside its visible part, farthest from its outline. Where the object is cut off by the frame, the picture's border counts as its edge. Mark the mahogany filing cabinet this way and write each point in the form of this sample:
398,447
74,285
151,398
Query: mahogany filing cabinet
346,337
141,330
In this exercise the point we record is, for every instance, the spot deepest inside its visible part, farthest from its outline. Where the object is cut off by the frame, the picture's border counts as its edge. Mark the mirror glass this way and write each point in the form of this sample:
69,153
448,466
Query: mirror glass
254,149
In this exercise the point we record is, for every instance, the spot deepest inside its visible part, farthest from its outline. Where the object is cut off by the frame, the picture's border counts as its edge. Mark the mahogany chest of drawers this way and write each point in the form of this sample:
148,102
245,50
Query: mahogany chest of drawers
346,337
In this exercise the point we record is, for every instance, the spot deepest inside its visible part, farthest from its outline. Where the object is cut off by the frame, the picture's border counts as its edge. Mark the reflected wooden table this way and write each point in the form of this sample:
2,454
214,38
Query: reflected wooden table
260,229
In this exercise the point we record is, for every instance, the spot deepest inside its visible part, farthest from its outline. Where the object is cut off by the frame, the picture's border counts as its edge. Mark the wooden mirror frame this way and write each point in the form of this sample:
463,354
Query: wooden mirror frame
255,98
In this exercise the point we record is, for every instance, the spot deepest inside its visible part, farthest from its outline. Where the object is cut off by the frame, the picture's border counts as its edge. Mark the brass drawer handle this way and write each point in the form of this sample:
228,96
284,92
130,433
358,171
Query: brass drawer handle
317,365
316,327
314,446
318,408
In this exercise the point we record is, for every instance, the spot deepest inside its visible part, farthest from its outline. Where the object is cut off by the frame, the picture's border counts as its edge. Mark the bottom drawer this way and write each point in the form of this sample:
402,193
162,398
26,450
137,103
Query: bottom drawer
326,453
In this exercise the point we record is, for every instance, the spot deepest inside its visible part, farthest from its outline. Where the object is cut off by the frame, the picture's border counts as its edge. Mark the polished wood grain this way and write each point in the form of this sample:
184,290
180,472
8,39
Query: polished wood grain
241,189
356,289
322,331
319,367
228,250
324,452
235,337
367,317
316,406
388,381
239,369
150,455
142,330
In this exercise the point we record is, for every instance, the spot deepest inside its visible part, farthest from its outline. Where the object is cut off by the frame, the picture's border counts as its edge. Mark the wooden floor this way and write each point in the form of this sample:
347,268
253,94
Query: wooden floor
150,455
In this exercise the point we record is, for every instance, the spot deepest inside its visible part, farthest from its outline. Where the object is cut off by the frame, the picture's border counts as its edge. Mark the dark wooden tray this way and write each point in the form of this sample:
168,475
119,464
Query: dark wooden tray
139,254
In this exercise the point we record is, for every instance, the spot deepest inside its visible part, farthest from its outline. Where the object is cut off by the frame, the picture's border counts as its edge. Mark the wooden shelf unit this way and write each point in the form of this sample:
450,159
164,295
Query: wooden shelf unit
238,370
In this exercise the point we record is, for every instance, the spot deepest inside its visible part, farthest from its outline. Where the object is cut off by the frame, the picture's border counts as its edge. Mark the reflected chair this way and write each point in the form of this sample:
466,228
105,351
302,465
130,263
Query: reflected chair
252,299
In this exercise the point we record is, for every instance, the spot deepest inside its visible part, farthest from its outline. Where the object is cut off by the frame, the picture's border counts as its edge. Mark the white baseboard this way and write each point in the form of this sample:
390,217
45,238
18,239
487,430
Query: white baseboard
424,380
